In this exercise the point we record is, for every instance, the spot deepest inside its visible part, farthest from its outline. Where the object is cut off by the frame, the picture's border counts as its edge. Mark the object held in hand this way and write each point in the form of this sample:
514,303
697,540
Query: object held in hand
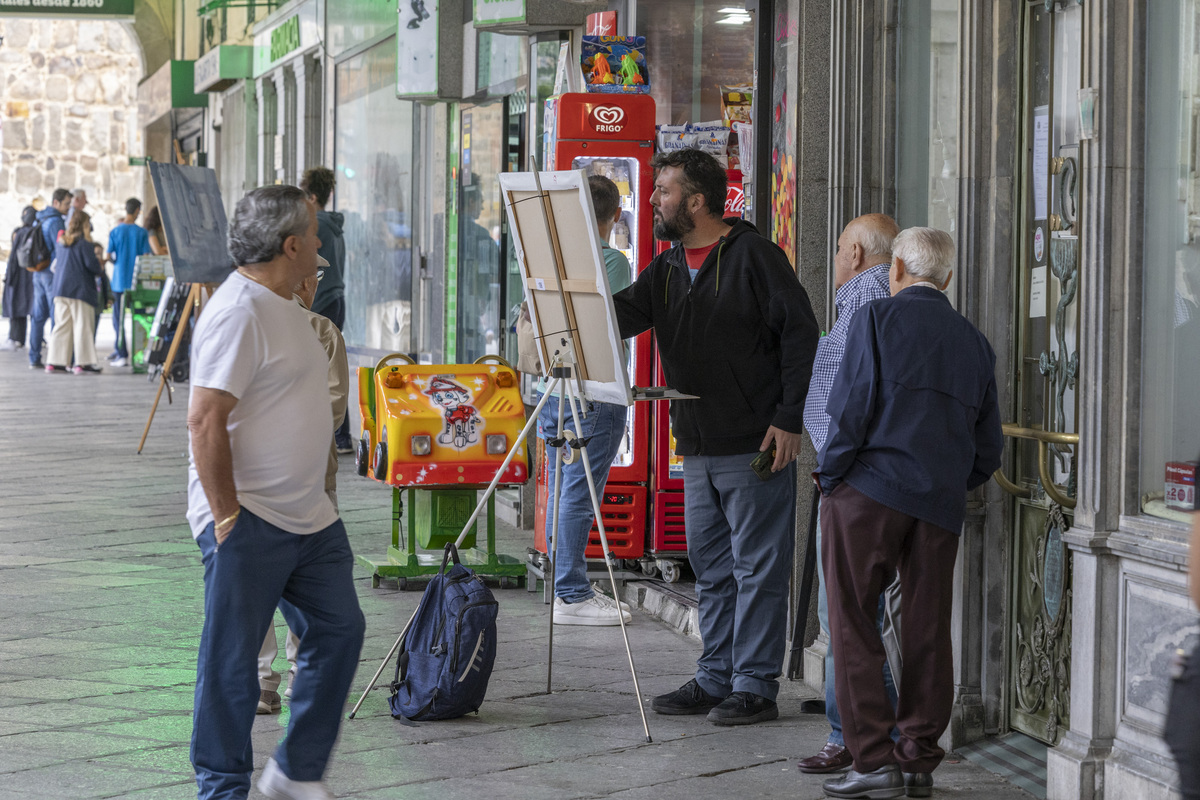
762,463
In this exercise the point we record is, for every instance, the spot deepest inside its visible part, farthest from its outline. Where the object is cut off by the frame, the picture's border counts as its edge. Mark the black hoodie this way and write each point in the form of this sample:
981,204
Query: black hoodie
742,337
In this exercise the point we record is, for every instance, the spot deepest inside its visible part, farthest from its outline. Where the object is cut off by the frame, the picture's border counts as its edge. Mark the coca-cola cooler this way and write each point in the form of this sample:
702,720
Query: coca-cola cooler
613,135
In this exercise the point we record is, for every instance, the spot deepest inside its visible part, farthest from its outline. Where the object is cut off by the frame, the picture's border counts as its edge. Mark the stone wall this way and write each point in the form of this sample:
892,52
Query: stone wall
68,117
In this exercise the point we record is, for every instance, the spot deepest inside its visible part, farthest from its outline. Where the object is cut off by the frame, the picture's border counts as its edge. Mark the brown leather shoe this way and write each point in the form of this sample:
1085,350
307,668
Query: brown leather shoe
832,758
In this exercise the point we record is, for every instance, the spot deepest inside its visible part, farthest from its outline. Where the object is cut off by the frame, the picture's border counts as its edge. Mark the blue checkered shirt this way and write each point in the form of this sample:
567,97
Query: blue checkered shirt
868,285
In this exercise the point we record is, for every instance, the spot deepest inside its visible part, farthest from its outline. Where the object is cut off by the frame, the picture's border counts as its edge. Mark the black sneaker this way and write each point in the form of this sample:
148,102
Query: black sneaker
37,364
687,699
743,708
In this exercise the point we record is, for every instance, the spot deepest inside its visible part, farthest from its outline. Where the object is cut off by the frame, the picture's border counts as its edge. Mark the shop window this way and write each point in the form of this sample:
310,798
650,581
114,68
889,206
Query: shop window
373,165
478,276
1171,289
694,47
927,116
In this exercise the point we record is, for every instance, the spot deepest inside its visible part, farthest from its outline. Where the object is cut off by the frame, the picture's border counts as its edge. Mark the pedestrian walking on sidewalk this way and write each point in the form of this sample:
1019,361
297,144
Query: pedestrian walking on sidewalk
259,424
269,701
75,300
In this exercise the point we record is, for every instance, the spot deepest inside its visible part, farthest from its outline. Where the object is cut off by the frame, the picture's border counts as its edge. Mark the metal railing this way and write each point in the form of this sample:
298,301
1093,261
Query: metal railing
1044,440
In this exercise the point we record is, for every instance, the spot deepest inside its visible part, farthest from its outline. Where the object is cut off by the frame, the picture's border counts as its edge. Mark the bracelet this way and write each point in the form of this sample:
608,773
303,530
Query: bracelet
227,520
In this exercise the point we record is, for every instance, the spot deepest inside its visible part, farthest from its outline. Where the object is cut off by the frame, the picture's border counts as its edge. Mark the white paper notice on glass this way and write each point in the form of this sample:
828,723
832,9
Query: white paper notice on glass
1041,161
1037,293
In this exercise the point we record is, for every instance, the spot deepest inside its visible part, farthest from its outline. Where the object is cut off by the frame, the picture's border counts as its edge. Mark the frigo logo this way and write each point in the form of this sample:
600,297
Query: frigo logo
608,119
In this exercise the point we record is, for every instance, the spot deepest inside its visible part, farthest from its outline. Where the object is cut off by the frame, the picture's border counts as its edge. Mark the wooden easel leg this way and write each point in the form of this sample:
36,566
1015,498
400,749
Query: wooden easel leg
192,299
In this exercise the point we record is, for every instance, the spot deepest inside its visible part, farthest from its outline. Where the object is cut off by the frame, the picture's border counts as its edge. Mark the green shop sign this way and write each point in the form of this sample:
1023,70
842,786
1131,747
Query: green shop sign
82,9
281,37
285,38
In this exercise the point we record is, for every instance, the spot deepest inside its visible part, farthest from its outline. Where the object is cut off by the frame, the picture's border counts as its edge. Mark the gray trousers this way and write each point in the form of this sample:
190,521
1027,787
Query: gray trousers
741,534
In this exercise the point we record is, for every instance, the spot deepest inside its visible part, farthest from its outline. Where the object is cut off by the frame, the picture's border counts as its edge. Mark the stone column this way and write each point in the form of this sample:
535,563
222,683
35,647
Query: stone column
265,91
300,69
279,74
1114,62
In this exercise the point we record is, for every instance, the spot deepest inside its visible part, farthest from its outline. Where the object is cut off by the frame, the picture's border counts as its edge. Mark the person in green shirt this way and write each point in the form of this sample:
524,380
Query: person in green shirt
575,602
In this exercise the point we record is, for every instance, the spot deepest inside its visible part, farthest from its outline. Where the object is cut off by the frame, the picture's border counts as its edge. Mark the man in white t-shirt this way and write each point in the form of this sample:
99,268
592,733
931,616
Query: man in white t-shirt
259,422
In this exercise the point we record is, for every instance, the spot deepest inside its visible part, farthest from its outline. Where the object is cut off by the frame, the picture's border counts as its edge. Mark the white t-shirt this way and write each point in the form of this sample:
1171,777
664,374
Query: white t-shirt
260,348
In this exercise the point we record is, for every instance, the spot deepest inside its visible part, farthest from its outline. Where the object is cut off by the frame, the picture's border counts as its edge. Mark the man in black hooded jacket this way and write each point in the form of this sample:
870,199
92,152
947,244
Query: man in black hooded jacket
734,327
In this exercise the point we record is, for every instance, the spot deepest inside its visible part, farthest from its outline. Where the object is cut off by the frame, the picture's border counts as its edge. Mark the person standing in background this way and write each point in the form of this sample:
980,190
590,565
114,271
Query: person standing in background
126,242
75,300
330,302
18,285
51,220
155,232
79,202
575,602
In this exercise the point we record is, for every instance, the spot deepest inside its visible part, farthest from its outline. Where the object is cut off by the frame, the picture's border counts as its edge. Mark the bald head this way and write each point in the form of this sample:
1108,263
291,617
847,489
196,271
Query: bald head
866,242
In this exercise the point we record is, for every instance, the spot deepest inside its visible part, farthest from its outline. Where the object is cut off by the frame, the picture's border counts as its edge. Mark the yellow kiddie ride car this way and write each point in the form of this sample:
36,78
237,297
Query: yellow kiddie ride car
440,432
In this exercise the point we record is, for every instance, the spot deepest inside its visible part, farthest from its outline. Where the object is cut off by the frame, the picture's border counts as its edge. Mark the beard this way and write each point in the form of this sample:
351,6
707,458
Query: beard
674,227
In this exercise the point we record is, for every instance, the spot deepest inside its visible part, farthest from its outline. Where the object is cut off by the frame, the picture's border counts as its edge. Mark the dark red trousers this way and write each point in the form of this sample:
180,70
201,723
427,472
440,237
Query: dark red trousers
863,545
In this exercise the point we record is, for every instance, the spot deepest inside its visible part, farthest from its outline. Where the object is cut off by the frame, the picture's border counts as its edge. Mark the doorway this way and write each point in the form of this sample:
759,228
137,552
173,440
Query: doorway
1043,437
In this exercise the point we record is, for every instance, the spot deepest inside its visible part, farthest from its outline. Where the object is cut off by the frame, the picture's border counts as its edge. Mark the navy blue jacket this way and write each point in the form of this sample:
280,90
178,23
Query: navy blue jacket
742,337
75,271
914,422
53,223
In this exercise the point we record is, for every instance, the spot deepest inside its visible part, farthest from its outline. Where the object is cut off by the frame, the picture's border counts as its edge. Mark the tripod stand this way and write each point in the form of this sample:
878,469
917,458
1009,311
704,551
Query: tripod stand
561,382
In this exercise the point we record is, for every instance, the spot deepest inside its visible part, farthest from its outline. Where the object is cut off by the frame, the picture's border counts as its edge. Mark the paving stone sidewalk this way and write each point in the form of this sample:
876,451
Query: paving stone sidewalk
100,614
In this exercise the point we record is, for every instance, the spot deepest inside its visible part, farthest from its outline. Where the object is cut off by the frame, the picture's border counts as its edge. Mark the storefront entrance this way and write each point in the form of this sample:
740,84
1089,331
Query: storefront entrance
1042,473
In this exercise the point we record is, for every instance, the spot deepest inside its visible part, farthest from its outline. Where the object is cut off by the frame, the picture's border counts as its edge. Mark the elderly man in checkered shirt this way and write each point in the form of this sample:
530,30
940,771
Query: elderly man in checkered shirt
864,256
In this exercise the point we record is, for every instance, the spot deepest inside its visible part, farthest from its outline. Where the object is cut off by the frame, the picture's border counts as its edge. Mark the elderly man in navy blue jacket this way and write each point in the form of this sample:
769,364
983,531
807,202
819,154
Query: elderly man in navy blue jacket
914,425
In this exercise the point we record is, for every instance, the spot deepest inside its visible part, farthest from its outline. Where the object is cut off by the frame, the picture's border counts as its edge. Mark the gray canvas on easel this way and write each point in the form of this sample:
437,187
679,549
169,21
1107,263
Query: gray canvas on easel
556,230
193,217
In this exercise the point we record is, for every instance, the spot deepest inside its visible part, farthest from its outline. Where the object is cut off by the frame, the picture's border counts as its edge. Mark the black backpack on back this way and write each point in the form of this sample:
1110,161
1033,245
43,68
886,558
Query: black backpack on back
448,652
30,246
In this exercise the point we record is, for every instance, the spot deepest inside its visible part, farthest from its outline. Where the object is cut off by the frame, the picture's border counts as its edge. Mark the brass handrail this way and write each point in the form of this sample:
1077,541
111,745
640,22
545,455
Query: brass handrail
1044,439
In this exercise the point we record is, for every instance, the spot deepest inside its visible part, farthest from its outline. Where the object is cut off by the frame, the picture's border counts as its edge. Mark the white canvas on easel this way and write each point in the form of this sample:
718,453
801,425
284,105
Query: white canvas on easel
555,226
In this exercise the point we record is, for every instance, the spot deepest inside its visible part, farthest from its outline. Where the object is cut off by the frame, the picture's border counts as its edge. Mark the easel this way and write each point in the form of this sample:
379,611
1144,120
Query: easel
566,369
194,300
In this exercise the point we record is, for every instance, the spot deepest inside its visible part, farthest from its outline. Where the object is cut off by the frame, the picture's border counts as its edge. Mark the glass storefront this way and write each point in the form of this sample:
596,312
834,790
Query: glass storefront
482,136
927,124
702,45
1171,300
927,117
373,164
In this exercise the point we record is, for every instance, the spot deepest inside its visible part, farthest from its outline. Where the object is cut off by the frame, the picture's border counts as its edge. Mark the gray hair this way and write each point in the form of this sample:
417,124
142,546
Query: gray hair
263,220
927,253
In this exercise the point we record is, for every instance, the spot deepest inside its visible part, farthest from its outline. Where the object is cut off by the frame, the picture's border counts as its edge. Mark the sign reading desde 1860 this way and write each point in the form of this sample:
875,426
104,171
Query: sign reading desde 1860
68,8
285,38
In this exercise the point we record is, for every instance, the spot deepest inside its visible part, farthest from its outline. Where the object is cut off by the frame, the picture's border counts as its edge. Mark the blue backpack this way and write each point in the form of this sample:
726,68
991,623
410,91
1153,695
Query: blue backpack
447,655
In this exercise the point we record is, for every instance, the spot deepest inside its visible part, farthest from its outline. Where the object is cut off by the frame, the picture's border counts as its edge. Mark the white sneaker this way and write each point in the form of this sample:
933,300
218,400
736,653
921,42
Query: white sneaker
277,786
291,676
606,599
119,361
592,611
9,344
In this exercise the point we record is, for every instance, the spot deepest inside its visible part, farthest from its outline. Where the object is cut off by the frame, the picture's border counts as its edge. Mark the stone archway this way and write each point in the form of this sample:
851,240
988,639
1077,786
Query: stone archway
69,115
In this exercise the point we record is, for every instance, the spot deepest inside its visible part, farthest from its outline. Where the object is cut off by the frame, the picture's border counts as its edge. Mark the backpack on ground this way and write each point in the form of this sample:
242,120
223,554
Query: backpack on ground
32,252
447,654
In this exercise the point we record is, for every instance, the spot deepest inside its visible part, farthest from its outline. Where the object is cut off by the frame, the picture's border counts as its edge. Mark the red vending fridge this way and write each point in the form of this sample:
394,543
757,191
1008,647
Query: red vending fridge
613,135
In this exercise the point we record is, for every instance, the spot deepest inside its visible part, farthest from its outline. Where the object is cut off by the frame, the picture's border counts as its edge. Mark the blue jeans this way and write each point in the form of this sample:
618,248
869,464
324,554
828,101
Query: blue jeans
118,315
831,706
39,312
740,534
605,424
310,578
